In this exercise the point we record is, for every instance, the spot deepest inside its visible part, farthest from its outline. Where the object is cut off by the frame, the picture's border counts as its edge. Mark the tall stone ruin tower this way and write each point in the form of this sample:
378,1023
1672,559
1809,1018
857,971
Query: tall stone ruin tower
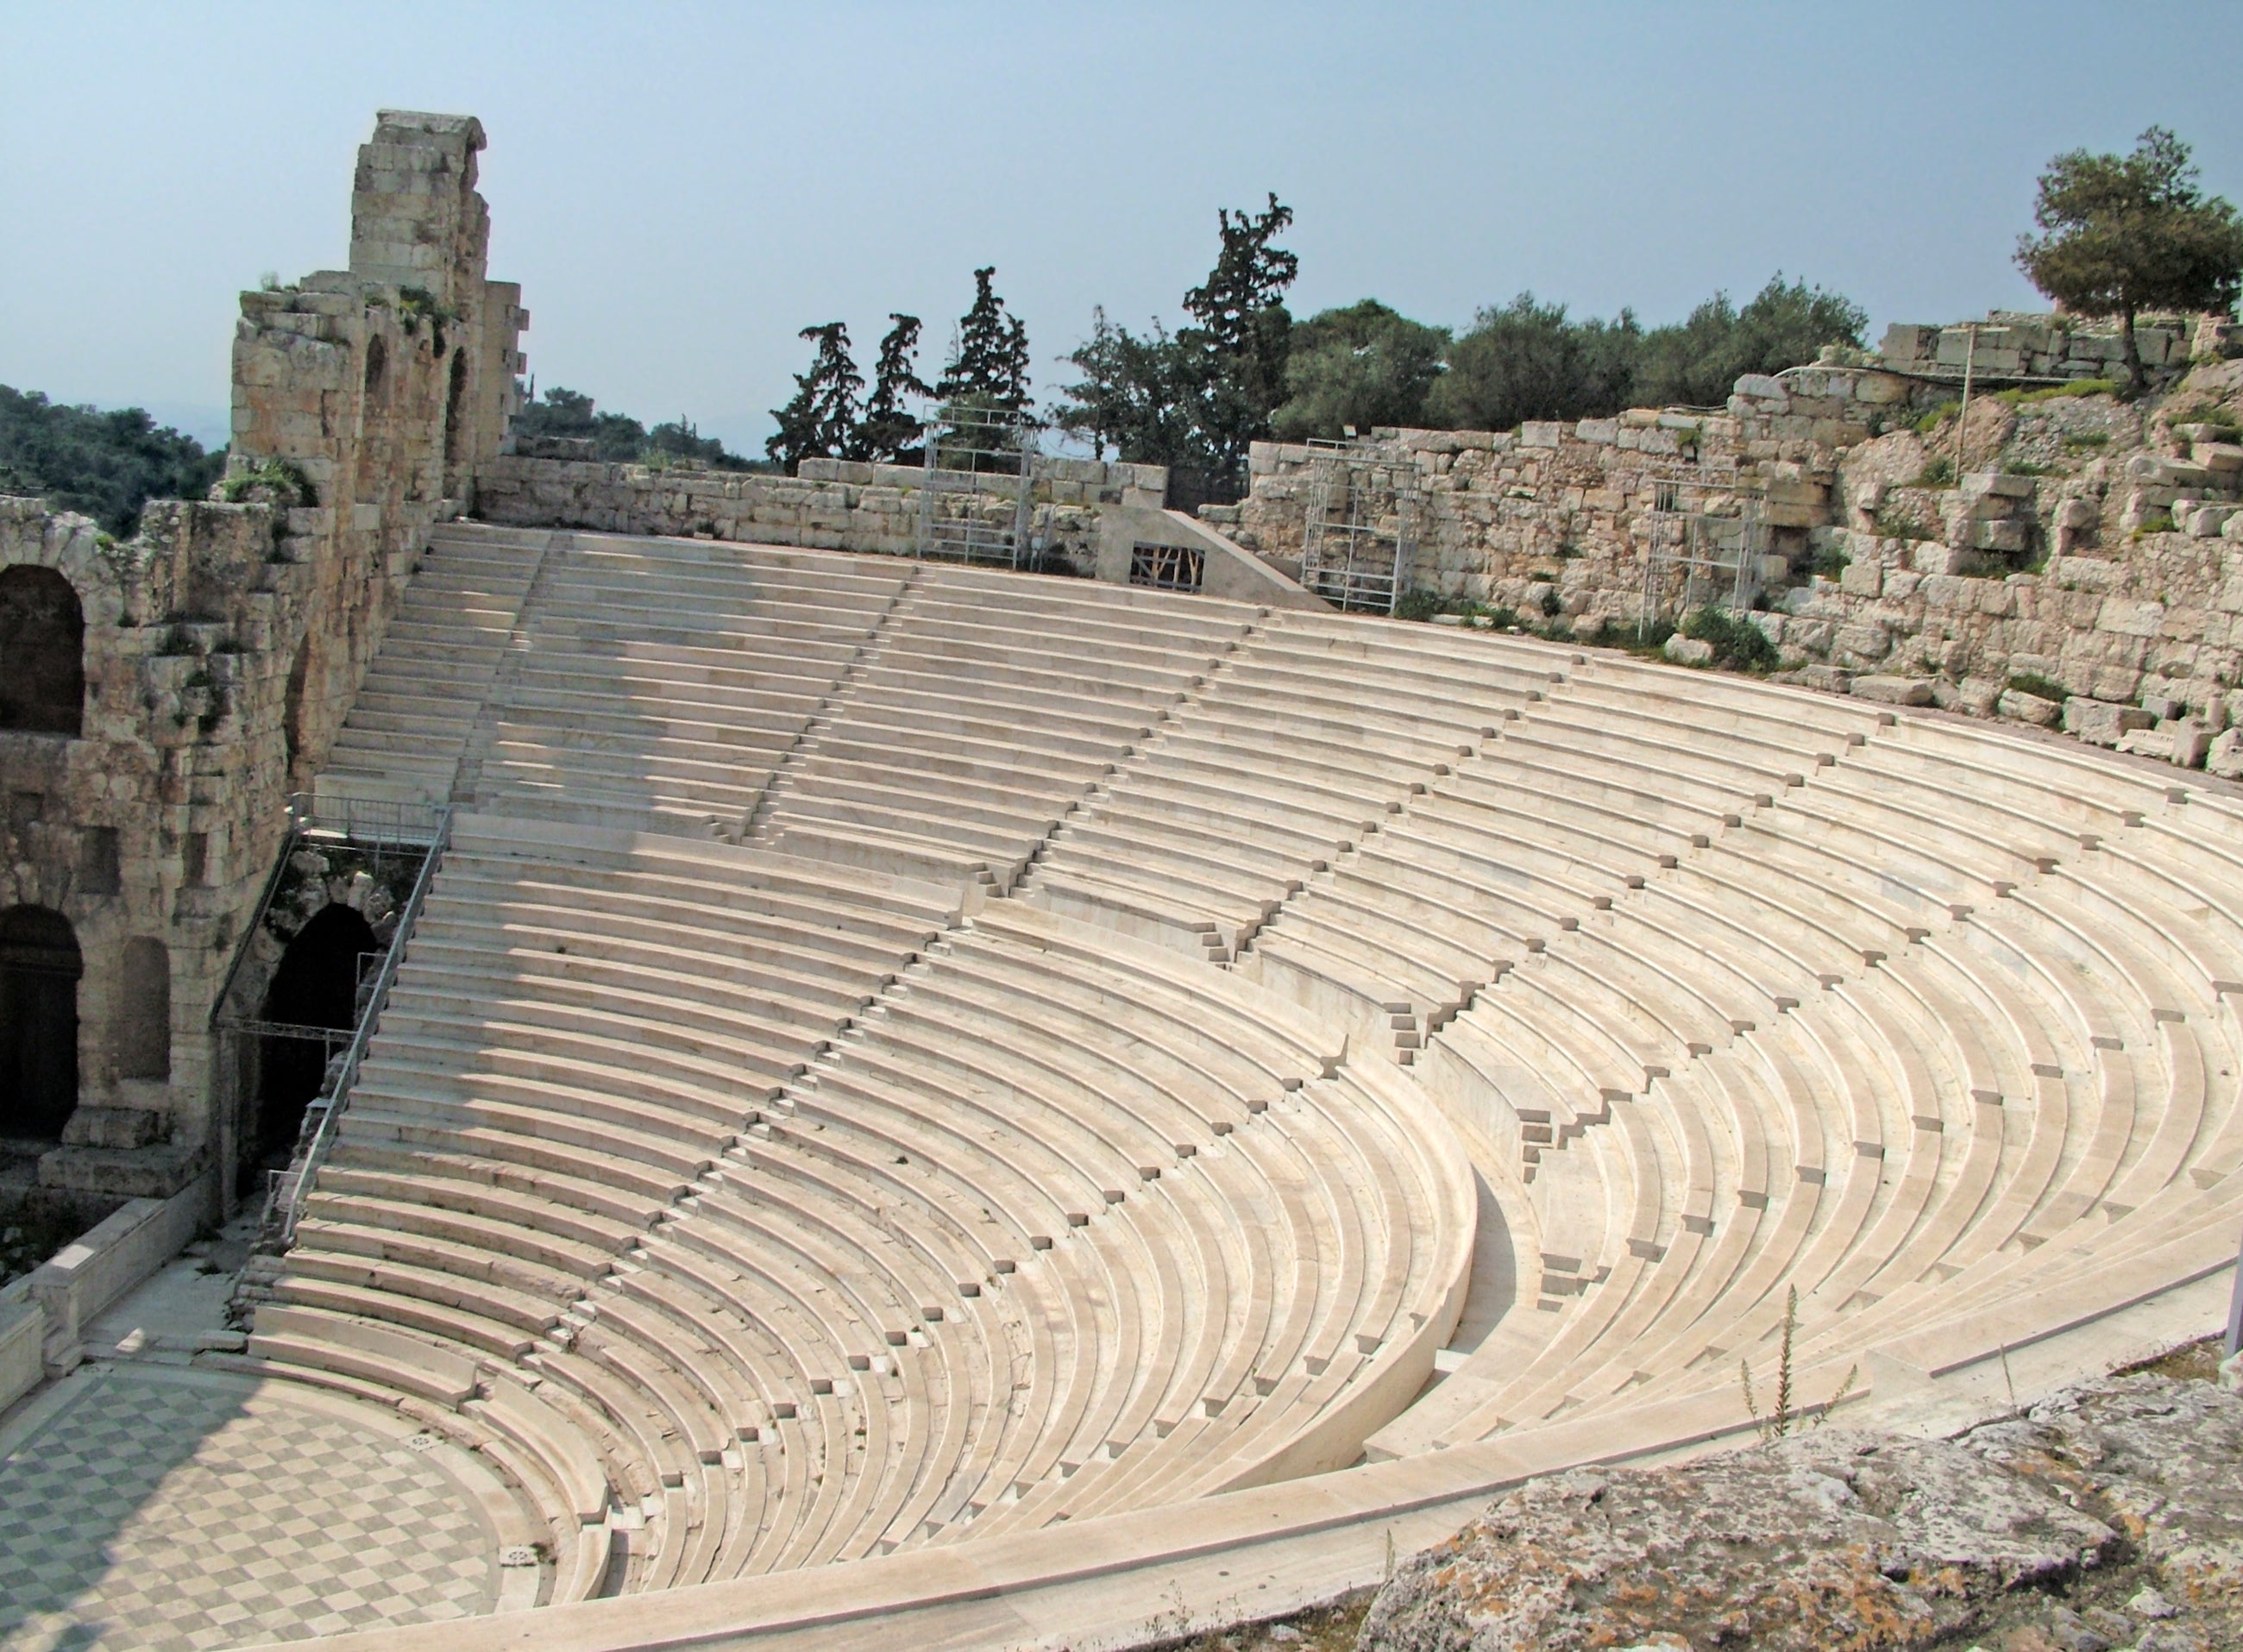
202,671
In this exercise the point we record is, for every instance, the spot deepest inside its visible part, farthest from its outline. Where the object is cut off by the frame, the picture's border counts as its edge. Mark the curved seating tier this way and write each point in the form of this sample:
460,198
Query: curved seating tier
922,1181
990,707
413,716
768,1213
656,685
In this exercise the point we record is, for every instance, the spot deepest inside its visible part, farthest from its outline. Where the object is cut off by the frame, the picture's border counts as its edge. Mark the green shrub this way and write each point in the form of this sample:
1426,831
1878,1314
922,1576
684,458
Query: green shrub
1830,562
1646,638
2086,441
1937,473
1550,603
2058,392
1737,642
1931,421
1893,524
288,484
1419,603
2040,687
417,304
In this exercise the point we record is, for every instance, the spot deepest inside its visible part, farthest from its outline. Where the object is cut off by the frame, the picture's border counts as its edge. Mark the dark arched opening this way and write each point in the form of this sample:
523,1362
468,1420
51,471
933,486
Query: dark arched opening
39,971
142,1042
454,397
42,652
291,711
315,986
377,367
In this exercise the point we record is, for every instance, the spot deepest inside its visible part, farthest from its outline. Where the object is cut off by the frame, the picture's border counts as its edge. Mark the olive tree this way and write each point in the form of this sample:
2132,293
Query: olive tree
2123,233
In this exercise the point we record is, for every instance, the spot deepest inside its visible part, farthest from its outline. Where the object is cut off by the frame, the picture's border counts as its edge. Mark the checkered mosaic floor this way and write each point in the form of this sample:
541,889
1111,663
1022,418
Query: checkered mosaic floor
166,1515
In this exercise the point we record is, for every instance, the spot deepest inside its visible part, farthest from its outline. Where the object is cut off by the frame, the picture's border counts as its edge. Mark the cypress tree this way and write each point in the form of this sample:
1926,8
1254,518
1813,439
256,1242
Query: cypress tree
990,366
886,428
820,422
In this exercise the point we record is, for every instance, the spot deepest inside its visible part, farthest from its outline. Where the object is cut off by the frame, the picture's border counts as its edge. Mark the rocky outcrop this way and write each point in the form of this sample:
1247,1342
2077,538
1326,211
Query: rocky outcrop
2109,1516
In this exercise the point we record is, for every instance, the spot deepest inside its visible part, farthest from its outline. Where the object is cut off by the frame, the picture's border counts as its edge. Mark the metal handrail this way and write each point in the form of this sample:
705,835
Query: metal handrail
257,919
332,1104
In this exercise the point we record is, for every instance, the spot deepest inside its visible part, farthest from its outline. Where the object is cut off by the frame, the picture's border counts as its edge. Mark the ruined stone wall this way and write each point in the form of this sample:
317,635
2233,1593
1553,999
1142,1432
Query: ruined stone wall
224,643
386,387
1576,508
2009,344
2082,542
834,504
159,822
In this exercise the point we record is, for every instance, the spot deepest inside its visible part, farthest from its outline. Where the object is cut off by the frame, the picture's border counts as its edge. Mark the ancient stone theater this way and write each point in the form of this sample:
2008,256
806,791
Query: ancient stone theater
665,1055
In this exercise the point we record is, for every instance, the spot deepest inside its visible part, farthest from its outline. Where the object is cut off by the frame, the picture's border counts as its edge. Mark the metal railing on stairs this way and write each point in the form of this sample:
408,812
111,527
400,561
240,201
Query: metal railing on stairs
428,829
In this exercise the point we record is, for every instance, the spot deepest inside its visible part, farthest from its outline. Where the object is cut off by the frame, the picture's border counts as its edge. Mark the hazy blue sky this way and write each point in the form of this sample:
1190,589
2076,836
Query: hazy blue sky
680,187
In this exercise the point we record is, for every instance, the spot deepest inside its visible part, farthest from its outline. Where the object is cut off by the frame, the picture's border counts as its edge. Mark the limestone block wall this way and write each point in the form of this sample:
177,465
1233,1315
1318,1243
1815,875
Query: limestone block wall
2085,540
833,505
1575,509
160,823
2059,346
386,386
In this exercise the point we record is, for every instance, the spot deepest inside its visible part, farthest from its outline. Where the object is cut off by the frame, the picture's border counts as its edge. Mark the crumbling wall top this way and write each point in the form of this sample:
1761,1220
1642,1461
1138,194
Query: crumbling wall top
416,220
401,122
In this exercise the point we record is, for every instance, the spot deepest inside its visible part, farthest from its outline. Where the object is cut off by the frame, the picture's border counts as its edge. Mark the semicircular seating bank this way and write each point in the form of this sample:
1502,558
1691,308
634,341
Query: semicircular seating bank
899,1055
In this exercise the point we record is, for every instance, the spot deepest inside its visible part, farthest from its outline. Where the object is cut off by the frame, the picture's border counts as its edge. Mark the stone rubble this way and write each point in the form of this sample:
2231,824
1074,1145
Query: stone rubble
2109,1516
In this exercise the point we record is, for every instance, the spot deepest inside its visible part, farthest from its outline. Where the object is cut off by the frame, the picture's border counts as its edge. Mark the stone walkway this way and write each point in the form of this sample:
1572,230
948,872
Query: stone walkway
181,1511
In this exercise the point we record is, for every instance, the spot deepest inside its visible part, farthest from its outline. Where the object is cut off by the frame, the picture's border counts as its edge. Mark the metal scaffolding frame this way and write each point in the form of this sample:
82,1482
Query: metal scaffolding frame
1166,567
1709,556
1365,502
966,447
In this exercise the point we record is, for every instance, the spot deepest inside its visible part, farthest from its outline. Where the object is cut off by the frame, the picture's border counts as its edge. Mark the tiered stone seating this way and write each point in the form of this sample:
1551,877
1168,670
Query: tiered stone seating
411,720
1301,745
586,1028
1996,1055
990,706
655,684
1593,790
908,1174
742,1232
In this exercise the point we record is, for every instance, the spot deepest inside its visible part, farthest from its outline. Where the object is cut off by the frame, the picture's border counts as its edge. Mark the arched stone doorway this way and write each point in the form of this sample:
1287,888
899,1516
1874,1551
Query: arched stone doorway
373,426
39,971
42,652
316,984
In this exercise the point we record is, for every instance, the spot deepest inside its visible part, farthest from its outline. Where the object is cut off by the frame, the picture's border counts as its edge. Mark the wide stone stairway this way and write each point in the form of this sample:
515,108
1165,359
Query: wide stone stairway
897,1054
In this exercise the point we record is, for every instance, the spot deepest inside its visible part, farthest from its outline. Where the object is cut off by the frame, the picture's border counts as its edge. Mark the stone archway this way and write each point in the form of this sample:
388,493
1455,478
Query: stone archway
42,652
39,971
314,985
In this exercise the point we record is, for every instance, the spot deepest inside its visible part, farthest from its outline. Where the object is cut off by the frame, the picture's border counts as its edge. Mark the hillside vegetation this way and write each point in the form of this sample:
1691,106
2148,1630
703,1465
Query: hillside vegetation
104,464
